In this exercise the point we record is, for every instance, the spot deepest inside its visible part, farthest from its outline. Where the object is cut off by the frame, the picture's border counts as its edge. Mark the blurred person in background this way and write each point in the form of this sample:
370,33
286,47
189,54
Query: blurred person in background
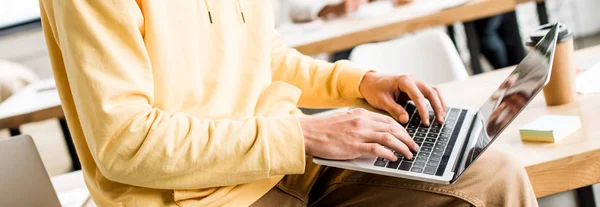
310,10
500,41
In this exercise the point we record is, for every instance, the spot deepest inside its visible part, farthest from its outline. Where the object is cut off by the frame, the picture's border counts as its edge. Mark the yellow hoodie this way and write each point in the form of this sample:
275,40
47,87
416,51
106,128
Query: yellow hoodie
168,105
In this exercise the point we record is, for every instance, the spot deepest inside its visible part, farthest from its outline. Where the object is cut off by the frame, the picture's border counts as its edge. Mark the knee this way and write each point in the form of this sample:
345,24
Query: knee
507,182
504,168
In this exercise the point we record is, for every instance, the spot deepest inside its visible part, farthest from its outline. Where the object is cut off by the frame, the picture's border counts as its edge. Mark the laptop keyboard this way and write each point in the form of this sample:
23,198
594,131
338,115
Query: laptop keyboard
435,142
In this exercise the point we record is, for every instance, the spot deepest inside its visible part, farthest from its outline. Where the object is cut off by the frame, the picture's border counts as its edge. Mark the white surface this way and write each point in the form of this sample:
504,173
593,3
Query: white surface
18,11
587,82
29,99
71,188
429,55
350,24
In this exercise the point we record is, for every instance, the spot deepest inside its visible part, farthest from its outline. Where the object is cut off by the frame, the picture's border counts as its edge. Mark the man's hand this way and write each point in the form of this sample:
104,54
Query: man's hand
355,133
385,92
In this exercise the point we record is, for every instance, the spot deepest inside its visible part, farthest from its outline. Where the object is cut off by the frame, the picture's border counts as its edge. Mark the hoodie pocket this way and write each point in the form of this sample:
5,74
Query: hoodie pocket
278,99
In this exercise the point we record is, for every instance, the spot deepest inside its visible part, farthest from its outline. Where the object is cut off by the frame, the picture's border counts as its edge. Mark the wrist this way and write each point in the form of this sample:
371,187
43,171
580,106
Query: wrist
362,87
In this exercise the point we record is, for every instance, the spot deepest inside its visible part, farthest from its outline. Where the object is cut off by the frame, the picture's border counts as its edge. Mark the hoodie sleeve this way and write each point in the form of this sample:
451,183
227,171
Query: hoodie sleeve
109,75
323,84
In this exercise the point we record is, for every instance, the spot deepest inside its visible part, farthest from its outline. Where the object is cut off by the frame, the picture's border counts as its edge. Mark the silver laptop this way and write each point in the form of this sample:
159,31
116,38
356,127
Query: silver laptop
448,149
23,178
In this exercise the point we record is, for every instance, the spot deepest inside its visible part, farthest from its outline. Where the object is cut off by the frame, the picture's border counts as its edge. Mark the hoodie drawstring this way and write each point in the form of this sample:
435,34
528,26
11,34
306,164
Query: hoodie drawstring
208,9
239,7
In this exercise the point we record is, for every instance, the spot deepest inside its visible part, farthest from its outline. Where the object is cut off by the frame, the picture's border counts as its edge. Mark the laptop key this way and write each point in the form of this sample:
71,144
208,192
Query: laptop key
424,154
437,153
432,135
418,139
443,139
426,149
432,163
429,170
427,144
419,143
380,163
421,135
422,130
405,166
438,149
416,169
421,159
419,164
411,130
430,139
434,131
435,158
393,165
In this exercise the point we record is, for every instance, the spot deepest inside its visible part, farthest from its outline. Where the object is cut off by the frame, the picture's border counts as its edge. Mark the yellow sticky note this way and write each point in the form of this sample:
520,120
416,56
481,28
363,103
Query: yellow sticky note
550,128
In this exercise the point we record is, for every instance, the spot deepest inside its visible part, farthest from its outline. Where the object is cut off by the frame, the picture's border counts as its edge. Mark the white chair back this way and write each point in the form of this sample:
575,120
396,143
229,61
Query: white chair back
428,55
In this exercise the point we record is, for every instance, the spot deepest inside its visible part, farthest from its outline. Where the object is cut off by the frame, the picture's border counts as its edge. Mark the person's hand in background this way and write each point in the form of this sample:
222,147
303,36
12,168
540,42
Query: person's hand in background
342,8
400,2
385,92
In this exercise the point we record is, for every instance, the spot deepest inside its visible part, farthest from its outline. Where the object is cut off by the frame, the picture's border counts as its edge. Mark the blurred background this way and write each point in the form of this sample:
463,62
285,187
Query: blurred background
23,49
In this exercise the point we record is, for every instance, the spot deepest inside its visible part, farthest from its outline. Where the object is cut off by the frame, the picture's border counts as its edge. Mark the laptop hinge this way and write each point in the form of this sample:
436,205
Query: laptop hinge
461,152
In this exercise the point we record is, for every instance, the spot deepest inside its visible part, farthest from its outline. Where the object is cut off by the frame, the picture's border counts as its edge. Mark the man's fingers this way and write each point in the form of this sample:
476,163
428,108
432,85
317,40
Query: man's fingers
434,100
397,132
391,142
376,150
409,86
396,110
441,98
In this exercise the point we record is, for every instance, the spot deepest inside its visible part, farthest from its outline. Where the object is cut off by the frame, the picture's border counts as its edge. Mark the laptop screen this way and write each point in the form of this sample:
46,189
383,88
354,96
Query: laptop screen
517,90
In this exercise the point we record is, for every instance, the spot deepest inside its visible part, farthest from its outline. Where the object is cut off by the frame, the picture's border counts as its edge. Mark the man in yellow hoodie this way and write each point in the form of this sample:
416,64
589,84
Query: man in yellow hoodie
194,103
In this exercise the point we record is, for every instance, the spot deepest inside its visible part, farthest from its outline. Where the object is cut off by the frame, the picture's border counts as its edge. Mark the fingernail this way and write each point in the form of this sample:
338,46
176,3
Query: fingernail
416,147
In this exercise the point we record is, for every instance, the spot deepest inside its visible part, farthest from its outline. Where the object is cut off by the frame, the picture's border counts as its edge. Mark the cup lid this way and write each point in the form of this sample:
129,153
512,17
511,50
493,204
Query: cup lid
563,34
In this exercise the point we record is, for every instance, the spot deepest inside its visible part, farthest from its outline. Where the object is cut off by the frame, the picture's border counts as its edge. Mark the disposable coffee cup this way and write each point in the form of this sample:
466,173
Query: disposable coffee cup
561,87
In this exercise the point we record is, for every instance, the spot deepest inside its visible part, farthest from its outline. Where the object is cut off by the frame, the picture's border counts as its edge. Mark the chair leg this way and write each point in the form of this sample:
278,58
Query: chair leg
70,144
452,34
542,12
14,131
585,196
473,45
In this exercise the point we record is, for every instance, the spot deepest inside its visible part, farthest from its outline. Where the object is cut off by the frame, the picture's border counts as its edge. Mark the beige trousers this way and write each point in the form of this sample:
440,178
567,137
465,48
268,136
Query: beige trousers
495,179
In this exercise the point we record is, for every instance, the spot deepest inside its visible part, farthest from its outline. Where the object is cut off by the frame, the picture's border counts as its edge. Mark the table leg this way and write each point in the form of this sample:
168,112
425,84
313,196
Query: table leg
473,45
70,144
451,34
585,196
14,131
542,12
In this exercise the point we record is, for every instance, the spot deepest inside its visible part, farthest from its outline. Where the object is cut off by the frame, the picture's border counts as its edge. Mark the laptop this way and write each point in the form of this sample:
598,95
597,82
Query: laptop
447,150
23,178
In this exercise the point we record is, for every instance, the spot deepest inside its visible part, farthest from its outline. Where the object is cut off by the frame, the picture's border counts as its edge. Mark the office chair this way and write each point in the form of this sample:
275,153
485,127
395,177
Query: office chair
428,55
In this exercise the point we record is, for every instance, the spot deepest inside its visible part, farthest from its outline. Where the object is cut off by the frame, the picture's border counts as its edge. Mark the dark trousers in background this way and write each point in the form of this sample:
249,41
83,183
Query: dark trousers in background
500,41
